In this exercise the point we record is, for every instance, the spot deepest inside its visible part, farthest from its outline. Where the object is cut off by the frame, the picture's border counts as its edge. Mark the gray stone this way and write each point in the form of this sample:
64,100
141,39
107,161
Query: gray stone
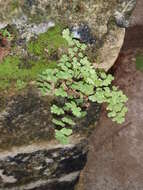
137,16
70,177
27,167
29,156
122,15
28,30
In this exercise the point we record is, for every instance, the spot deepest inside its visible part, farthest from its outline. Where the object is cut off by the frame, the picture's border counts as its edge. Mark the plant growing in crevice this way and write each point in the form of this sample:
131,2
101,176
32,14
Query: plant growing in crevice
76,83
20,84
5,34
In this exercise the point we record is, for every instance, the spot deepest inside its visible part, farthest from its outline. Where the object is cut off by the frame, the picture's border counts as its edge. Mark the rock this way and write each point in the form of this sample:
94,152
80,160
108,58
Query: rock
123,14
137,16
34,17
83,34
116,151
30,157
27,30
134,33
42,166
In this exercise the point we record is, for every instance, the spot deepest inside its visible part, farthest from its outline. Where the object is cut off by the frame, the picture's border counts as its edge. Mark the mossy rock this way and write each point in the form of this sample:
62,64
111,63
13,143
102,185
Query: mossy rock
42,53
51,40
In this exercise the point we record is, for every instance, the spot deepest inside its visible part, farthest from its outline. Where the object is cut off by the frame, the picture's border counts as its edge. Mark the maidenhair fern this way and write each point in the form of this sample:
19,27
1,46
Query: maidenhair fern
78,83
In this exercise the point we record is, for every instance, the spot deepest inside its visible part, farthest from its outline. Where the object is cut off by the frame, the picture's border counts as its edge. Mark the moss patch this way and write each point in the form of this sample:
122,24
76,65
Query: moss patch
17,70
139,62
51,41
14,4
10,71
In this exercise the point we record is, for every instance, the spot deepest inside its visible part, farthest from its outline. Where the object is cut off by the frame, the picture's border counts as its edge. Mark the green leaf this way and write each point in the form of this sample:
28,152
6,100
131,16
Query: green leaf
76,111
49,75
66,131
83,47
67,36
61,92
83,114
20,84
68,120
44,91
63,139
84,61
77,43
92,98
79,101
76,75
112,114
62,135
56,110
63,75
58,122
103,75
75,49
119,120
80,55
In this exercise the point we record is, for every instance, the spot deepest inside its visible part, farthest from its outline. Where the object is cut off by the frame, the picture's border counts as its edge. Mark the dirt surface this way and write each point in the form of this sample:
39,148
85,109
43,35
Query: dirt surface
4,48
3,52
115,160
134,34
137,16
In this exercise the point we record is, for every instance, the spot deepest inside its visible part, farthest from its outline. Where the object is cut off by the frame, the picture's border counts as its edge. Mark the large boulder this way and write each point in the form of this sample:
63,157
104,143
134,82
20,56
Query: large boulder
30,157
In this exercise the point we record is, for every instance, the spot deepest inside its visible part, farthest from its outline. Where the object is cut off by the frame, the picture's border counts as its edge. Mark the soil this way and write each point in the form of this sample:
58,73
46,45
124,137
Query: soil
4,48
3,52
115,160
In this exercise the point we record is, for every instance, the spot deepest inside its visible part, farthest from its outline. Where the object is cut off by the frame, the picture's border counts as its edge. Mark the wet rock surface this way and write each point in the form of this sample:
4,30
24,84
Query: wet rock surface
42,166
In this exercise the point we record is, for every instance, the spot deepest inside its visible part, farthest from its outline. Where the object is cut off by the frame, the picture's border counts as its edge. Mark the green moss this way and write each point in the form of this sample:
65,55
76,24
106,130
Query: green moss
15,68
10,71
139,62
14,4
51,40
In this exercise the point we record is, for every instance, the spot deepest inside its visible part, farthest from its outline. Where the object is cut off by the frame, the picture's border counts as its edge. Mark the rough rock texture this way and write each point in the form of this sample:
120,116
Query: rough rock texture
116,152
29,158
24,119
134,33
42,166
106,19
137,16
